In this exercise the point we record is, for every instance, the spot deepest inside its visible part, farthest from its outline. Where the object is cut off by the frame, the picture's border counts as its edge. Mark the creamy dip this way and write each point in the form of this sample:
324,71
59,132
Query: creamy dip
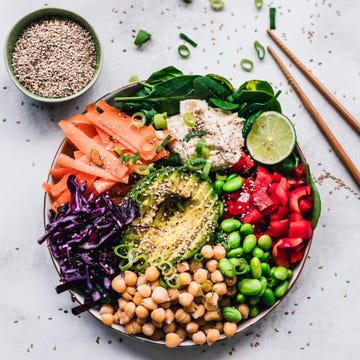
222,133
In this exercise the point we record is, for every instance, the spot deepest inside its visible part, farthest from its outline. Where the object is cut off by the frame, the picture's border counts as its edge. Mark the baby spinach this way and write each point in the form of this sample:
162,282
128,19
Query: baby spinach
206,87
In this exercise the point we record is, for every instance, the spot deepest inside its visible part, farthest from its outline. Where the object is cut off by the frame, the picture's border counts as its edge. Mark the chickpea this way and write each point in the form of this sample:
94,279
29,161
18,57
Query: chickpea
141,321
185,298
229,329
181,332
231,281
172,340
166,304
182,317
199,312
216,276
107,319
220,326
160,295
158,315
212,316
128,297
220,288
137,299
225,301
185,278
195,266
158,325
152,273
133,328
149,303
131,290
122,303
211,302
123,318
141,312
207,251
157,335
200,275
212,336
169,316
219,252
193,288
141,280
106,309
231,290
144,290
191,308
244,310
211,265
118,284
173,294
206,286
130,278
154,284
130,309
192,327
182,267
168,328
148,329
199,337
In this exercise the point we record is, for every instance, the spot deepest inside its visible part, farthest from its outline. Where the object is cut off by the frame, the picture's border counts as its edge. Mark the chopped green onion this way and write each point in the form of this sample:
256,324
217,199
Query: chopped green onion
118,151
202,148
206,170
187,39
141,263
217,5
133,78
246,64
193,134
95,158
220,177
163,144
142,37
142,170
189,119
195,164
183,51
129,158
138,119
205,288
122,250
198,257
258,4
272,14
260,50
174,281
148,144
160,121
166,267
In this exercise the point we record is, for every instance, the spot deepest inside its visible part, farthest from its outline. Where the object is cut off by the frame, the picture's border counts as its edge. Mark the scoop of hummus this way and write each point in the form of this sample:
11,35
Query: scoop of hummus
222,133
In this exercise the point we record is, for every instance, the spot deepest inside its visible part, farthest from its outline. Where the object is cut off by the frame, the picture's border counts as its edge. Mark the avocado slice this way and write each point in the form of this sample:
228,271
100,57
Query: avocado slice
178,211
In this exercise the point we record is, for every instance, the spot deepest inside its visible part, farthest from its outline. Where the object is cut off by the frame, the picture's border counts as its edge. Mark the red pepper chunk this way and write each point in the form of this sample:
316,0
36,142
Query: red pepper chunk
282,191
295,197
244,165
263,178
301,229
278,228
263,202
287,251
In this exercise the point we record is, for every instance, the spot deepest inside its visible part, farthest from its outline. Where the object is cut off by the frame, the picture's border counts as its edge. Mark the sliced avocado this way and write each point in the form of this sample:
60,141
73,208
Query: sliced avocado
178,211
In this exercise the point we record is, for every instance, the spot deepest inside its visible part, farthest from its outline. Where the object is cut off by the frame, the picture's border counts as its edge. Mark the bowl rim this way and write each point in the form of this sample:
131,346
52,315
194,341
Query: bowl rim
243,326
36,15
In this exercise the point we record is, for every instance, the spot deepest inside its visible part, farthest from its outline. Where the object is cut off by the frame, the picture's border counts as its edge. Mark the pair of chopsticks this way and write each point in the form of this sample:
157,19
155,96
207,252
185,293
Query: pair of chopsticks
310,107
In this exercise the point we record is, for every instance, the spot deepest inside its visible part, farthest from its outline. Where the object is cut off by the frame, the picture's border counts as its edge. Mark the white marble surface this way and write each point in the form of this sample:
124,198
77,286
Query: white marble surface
319,319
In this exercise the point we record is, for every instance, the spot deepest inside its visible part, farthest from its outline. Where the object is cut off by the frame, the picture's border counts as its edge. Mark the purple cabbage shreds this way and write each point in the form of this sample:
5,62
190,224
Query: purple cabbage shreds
81,236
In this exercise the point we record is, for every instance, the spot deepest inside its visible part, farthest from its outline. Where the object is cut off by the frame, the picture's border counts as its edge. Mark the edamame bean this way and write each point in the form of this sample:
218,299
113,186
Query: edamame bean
221,208
229,225
235,253
268,297
246,229
258,252
233,240
218,185
289,273
281,289
240,298
266,256
249,243
254,311
255,267
233,184
265,268
249,287
226,268
281,273
265,242
230,313
253,300
231,176
241,266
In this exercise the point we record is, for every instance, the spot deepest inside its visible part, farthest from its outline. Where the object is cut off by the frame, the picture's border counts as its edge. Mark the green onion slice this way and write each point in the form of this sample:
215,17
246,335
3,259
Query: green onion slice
138,119
122,250
118,151
174,281
260,50
272,15
198,257
95,158
189,119
183,51
193,134
206,170
246,64
163,143
217,5
258,4
148,144
187,39
142,37
160,121
195,164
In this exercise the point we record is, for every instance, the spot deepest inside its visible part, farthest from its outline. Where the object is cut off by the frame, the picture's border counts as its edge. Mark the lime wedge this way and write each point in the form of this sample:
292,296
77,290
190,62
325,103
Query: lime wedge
271,138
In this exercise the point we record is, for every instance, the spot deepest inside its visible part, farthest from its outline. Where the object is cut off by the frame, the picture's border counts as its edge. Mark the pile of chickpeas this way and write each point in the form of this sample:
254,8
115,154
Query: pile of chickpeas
192,311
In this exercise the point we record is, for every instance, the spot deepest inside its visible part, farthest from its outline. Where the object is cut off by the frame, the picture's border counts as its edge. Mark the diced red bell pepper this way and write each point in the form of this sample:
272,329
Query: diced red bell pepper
239,206
263,178
281,191
305,205
299,171
281,213
253,216
301,228
244,165
286,251
278,228
295,197
263,202
295,217
276,177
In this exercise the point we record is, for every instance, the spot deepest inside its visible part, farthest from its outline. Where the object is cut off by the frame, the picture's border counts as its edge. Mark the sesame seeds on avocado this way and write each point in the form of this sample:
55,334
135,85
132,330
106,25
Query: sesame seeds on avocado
178,213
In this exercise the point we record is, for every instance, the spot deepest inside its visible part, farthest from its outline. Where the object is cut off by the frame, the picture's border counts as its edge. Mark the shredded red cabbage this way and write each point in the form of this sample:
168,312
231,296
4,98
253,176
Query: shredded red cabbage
81,236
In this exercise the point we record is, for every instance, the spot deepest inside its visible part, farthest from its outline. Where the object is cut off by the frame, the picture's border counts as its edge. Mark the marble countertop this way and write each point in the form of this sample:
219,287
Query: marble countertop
319,317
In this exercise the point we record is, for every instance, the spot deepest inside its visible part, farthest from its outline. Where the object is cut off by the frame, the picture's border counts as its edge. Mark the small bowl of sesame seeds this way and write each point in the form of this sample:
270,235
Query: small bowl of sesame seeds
53,55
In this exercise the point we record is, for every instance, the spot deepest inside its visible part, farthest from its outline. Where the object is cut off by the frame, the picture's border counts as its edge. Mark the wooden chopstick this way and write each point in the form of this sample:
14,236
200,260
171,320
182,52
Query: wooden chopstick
318,119
318,85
